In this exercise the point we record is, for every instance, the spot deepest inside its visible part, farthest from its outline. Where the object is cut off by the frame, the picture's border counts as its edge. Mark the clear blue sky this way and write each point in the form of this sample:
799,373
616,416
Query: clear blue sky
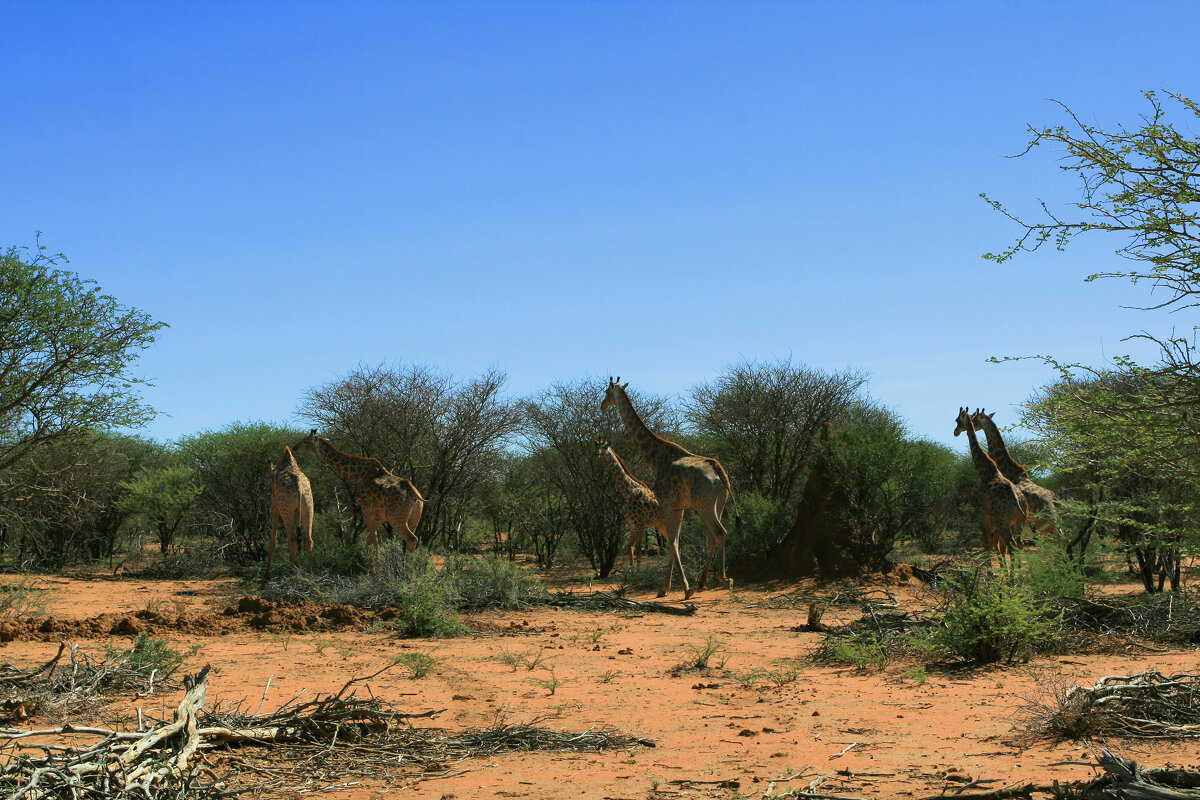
655,190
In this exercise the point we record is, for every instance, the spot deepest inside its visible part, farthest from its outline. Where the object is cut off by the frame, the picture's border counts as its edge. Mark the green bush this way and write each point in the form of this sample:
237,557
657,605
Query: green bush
764,524
993,618
148,656
429,598
1049,572
488,582
862,650
645,576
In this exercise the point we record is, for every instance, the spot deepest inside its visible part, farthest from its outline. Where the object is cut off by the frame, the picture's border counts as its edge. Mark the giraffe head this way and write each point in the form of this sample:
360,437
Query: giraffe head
611,395
307,443
601,446
965,423
978,417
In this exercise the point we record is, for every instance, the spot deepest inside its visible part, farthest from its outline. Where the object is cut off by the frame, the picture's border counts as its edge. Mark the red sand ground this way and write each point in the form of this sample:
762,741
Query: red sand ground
872,734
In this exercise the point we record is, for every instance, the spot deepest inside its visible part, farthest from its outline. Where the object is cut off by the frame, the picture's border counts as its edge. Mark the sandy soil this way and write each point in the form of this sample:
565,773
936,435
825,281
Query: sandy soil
870,734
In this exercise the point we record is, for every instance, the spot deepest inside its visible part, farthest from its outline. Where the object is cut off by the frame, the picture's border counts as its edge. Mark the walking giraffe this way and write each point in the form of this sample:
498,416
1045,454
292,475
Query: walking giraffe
682,480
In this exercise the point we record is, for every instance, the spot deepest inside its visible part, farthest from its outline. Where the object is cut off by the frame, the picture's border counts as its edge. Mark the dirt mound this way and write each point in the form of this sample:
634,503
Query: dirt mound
249,614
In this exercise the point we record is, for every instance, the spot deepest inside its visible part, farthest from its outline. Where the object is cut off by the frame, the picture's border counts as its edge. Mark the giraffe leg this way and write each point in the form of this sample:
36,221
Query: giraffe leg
410,528
674,522
716,539
271,546
292,524
635,543
373,522
306,521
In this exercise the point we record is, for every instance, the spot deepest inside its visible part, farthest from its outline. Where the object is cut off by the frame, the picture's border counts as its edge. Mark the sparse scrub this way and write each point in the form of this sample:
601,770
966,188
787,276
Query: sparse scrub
993,618
862,650
550,684
22,599
703,654
917,675
148,657
782,672
418,663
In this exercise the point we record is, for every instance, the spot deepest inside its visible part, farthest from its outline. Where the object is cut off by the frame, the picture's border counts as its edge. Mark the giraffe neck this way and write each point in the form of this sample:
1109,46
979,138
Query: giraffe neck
1010,468
288,461
983,462
627,484
656,450
353,468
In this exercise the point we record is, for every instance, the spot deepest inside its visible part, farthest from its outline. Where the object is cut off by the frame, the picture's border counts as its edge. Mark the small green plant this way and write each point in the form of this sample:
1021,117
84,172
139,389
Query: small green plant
319,643
148,657
703,653
748,679
783,672
527,659
917,675
609,677
861,650
418,663
345,651
550,684
283,636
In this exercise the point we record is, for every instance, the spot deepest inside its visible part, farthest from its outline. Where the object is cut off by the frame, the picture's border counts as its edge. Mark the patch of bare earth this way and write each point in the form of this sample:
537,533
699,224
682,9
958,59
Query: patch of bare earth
872,734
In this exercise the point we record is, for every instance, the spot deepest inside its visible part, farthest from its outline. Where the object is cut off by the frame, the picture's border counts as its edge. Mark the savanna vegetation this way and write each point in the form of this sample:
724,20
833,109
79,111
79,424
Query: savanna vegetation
516,477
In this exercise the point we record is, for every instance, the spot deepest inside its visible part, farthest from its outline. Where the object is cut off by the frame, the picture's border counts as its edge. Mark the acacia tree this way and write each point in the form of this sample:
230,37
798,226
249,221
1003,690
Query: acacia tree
162,496
1143,185
66,355
561,428
763,421
446,435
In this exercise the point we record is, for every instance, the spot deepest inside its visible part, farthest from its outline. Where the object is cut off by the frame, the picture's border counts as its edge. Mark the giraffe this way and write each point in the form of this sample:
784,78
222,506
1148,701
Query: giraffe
1004,507
682,480
291,507
382,497
1043,514
641,508
1042,507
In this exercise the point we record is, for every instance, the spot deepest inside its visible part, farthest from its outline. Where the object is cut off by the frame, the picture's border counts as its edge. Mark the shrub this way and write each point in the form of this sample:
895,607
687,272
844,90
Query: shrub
862,650
645,576
148,656
992,618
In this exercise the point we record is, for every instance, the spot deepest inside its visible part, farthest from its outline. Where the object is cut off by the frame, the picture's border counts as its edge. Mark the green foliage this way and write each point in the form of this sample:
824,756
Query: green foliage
644,576
429,598
862,650
917,675
149,656
67,351
703,653
993,618
419,663
1126,433
763,421
764,524
162,496
488,582
231,466
895,486
1048,571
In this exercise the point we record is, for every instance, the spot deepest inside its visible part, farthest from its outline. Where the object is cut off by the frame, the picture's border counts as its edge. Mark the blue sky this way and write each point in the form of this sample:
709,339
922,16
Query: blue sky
655,190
